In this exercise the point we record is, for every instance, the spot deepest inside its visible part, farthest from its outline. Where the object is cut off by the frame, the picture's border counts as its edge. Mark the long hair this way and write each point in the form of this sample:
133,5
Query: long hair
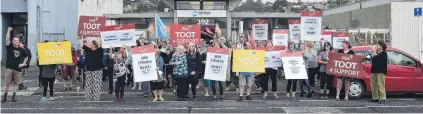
327,44
348,44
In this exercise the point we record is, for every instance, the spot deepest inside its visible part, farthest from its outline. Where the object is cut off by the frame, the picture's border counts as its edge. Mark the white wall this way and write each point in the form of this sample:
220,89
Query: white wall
406,29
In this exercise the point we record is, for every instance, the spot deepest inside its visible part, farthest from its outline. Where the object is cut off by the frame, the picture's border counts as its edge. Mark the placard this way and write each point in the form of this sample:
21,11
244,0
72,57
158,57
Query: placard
280,37
338,38
118,36
260,29
311,25
54,53
217,64
248,60
144,64
89,26
294,65
326,37
295,30
341,64
272,56
184,34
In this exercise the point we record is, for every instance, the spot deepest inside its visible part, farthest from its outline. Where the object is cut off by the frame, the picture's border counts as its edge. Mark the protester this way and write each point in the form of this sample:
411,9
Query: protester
325,79
68,71
305,82
16,61
346,49
119,70
213,83
291,82
158,85
264,79
233,77
205,82
48,78
310,55
379,70
167,55
129,63
25,69
94,67
109,68
194,61
180,72
245,79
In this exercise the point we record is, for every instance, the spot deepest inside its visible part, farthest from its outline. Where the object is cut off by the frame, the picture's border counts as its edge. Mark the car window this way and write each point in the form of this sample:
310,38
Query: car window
366,54
397,58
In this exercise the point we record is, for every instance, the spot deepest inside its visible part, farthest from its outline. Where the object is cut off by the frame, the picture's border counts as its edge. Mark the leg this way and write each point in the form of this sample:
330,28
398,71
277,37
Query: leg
329,82
213,85
89,83
235,80
273,74
323,80
97,84
264,82
45,84
250,81
288,86
40,68
194,83
381,86
110,77
347,88
50,85
374,86
338,87
242,83
221,88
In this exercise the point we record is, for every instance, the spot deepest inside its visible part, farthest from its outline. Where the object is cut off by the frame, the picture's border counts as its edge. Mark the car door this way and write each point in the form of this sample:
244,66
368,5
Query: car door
404,74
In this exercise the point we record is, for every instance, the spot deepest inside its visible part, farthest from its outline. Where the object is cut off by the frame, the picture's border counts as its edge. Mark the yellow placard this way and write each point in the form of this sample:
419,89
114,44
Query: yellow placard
54,53
248,61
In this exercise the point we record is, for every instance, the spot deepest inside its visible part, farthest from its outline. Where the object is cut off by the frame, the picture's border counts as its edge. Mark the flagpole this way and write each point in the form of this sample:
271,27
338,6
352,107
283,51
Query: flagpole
155,24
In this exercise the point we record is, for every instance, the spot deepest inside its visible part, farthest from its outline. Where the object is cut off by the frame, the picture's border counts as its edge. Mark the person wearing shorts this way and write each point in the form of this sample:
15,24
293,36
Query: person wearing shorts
68,73
245,79
16,60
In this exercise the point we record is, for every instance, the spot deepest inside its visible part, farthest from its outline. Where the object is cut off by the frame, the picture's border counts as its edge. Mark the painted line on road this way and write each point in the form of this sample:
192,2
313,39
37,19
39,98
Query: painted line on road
401,99
313,100
410,106
166,101
95,101
241,101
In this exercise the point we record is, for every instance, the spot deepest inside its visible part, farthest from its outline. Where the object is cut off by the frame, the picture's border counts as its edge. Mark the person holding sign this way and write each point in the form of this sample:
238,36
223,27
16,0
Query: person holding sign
346,49
379,70
271,73
94,66
16,61
180,72
157,86
310,56
213,82
325,79
291,82
245,79
119,70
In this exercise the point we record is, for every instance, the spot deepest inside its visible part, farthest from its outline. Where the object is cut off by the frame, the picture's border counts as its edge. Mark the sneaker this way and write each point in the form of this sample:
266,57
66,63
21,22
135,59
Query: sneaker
198,86
214,97
322,96
51,99
326,97
155,99
227,89
221,96
240,98
249,97
207,94
133,88
309,95
161,99
258,89
194,97
145,94
65,89
44,99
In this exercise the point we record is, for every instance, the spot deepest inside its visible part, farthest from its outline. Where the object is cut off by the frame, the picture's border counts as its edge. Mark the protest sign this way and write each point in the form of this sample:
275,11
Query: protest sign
341,64
144,64
184,34
54,53
294,65
326,37
338,38
118,36
260,29
295,30
311,25
272,56
217,64
89,26
280,37
248,60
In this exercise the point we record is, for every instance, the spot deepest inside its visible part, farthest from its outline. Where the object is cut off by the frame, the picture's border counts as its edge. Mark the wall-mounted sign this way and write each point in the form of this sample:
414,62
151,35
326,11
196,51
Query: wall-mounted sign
201,13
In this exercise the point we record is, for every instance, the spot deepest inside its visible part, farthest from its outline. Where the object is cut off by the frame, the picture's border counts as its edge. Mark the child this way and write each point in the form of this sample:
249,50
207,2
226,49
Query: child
47,78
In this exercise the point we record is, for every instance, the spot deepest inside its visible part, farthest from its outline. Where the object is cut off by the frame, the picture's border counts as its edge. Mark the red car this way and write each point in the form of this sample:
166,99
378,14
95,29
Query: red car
405,73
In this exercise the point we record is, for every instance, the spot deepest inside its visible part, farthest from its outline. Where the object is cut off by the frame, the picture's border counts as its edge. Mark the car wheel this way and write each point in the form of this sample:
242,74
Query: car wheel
357,89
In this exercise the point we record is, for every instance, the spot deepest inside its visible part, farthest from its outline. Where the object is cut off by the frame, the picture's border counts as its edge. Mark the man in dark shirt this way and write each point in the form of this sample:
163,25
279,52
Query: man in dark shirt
25,69
379,70
16,61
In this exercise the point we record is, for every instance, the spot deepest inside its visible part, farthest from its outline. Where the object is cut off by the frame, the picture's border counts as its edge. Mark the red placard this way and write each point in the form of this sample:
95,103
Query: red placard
341,34
291,54
280,31
326,33
311,13
294,21
257,21
218,50
89,26
117,27
341,64
184,34
141,50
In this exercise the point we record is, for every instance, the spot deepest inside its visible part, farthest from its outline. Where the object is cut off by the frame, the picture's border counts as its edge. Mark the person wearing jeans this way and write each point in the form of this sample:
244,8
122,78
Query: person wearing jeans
379,70
310,56
119,70
194,61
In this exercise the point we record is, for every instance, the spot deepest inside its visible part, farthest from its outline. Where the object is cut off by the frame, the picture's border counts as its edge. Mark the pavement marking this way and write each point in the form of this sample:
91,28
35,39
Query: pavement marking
243,100
313,100
95,101
401,99
166,101
409,106
28,92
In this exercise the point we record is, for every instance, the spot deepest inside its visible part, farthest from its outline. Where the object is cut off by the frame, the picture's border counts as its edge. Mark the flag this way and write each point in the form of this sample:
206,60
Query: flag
160,29
209,31
218,30
251,40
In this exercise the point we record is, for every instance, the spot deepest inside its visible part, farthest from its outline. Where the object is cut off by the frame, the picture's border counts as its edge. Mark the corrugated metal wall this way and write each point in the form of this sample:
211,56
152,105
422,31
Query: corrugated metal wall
405,27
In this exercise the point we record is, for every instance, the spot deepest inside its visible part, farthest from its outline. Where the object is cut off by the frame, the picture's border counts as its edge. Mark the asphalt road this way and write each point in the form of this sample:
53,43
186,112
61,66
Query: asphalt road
73,102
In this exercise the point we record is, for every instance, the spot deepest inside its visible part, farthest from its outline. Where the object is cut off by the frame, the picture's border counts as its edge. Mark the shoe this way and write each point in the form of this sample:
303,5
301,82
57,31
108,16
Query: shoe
4,97
287,95
322,96
161,99
302,94
51,99
346,99
44,99
293,94
249,97
178,99
110,92
155,99
338,99
194,97
227,89
206,95
117,99
382,102
374,101
183,99
214,97
65,89
145,94
14,97
198,86
133,88
275,95
309,95
326,97
312,92
70,88
240,98
221,96
258,89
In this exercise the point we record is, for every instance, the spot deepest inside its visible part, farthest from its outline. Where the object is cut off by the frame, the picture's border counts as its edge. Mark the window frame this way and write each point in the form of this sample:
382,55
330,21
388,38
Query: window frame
404,55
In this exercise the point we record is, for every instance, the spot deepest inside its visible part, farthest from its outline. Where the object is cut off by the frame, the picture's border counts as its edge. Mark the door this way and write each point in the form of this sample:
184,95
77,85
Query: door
404,73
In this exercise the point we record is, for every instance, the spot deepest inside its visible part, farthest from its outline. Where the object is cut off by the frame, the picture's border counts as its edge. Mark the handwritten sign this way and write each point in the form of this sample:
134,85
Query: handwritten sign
217,64
293,65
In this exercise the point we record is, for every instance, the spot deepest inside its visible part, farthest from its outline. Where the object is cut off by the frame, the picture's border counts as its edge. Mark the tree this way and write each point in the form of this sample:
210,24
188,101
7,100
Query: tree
280,5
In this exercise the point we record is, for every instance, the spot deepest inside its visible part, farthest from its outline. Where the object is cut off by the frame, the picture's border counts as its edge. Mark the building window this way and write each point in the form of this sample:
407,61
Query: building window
281,23
188,5
209,5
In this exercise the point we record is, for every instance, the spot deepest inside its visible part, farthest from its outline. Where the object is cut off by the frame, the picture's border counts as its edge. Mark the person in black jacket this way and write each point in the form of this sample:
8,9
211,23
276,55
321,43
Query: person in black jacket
25,69
379,70
194,61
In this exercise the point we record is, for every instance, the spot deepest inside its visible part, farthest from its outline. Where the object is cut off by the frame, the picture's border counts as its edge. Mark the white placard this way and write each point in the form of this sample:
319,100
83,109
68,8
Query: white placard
144,65
293,66
216,64
118,36
280,37
338,38
295,30
260,29
311,25
272,59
